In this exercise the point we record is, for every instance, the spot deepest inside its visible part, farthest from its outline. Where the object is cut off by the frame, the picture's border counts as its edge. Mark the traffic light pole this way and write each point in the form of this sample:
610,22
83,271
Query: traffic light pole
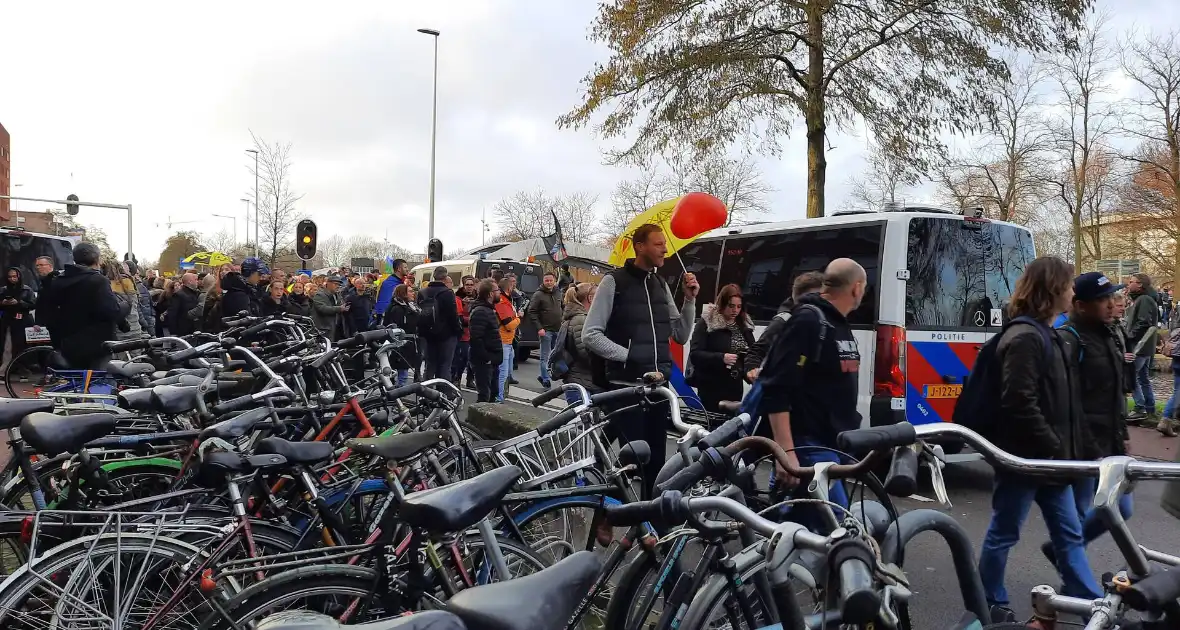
89,204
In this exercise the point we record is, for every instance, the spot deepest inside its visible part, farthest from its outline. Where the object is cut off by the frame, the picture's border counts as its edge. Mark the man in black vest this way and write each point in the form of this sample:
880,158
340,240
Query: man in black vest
627,330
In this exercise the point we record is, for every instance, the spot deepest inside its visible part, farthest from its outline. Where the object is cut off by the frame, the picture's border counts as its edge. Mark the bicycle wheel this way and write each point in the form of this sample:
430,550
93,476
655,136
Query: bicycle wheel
716,606
520,559
28,373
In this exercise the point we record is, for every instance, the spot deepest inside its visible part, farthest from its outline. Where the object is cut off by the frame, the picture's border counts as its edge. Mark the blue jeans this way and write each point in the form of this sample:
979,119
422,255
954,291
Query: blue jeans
546,350
1170,406
573,398
505,370
1092,525
1011,500
1144,397
403,377
806,514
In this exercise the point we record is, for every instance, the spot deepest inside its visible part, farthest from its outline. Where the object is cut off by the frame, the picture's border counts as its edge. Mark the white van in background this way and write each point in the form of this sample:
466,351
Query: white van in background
938,287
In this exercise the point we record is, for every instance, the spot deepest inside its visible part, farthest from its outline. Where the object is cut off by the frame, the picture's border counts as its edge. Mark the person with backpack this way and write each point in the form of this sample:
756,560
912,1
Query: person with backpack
570,349
438,325
1091,339
403,313
809,378
545,313
1024,395
1142,332
487,348
720,340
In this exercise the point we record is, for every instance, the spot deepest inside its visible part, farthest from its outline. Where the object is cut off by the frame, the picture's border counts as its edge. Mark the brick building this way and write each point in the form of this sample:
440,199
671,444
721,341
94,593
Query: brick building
40,222
5,173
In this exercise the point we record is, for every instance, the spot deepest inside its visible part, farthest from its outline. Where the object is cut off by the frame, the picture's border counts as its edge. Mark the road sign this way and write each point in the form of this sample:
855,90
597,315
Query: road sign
1118,268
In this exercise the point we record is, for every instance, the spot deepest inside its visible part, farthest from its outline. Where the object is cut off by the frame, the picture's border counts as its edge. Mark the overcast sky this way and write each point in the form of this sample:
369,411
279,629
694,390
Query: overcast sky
150,104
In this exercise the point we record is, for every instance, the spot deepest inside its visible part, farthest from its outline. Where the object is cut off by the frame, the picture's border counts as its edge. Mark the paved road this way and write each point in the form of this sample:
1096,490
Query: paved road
928,564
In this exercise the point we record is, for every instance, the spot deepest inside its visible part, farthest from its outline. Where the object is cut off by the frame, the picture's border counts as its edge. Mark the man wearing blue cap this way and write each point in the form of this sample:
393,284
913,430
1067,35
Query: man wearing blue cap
1089,336
241,289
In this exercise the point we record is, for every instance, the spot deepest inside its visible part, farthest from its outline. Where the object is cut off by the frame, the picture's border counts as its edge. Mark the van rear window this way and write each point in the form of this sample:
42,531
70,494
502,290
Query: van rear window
962,274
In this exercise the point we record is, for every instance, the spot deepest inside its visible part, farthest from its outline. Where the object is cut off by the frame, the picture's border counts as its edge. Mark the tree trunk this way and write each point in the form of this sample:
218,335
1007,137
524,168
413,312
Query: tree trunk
1175,156
817,161
1077,241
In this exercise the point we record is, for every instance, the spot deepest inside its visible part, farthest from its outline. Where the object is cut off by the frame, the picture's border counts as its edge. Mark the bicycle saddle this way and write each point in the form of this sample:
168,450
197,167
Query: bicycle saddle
52,435
175,398
397,447
304,620
137,399
129,369
13,410
295,452
551,594
220,463
460,505
236,426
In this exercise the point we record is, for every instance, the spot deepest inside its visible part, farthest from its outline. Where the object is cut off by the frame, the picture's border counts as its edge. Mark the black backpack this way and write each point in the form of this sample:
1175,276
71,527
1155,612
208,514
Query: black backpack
428,316
978,406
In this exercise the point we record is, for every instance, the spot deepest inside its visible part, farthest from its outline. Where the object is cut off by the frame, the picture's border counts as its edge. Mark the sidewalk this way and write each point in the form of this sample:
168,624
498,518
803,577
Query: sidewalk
1152,444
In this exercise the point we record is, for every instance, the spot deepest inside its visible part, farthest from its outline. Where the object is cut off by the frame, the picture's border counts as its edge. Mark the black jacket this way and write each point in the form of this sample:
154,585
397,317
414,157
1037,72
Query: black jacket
17,314
81,312
298,305
238,296
446,314
1142,318
268,307
819,391
545,310
1040,417
580,370
1102,393
178,321
759,349
360,312
711,341
486,348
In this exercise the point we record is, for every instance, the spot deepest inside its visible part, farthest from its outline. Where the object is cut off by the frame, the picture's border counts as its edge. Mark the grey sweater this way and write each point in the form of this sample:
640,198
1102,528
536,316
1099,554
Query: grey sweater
594,331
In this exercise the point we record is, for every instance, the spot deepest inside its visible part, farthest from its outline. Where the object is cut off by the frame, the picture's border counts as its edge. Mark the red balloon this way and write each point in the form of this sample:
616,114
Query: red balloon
697,213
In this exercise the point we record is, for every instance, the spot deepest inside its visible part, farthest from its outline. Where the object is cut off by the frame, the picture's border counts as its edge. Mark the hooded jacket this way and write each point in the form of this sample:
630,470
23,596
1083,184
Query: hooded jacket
147,311
182,302
238,295
1142,320
17,314
125,290
545,312
486,346
81,312
1102,391
819,390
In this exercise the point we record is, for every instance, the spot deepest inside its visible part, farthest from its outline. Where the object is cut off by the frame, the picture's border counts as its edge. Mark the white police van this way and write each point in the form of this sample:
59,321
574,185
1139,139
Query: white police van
938,287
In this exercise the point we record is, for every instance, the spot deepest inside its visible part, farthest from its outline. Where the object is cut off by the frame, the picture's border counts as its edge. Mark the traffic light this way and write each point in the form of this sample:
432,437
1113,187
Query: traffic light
72,208
434,251
305,239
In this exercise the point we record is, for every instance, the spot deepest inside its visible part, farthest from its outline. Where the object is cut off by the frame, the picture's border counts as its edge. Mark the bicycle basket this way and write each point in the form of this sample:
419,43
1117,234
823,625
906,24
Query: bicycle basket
543,458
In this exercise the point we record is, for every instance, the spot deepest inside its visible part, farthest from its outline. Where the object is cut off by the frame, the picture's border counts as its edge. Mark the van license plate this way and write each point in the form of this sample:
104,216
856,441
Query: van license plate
943,391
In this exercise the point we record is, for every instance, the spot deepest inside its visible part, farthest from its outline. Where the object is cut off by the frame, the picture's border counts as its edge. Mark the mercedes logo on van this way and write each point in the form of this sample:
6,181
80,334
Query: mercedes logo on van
979,318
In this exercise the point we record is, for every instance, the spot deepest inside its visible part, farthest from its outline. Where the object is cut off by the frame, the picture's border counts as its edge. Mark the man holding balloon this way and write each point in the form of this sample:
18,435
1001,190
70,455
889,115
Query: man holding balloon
627,330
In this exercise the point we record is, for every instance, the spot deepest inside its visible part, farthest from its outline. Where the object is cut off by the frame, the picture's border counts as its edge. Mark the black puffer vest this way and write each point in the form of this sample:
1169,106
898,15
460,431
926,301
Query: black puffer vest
640,321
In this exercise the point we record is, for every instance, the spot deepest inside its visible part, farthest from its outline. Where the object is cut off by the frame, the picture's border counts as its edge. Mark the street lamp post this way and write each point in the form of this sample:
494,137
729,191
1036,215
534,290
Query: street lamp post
248,216
235,222
433,128
255,152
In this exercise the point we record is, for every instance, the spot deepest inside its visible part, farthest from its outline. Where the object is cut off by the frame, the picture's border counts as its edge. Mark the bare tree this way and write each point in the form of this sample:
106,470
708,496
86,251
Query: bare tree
277,214
1079,126
220,241
529,214
887,175
737,182
1152,63
333,249
1005,172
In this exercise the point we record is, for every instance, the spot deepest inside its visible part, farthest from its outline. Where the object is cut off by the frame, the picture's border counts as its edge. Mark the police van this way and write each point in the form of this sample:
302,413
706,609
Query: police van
938,288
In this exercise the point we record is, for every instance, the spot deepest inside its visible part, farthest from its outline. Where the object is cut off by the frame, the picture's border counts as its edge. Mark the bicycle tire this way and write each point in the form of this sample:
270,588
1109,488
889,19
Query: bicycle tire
713,595
319,582
627,591
34,356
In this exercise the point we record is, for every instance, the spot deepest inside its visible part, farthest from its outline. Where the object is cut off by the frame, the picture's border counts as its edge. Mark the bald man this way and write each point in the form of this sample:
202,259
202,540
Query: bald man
809,379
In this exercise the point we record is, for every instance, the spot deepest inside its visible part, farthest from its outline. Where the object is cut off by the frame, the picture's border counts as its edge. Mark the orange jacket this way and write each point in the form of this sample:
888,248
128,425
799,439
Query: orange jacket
507,313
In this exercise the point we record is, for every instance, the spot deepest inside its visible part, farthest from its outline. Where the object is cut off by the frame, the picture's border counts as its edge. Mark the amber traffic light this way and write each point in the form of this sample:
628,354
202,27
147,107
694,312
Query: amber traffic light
305,239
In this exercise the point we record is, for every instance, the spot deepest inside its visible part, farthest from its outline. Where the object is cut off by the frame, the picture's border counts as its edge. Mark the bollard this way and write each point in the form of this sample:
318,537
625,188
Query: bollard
1170,500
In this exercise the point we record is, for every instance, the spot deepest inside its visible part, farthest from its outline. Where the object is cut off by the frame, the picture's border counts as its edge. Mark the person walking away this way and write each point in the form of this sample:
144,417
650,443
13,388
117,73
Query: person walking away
464,300
810,282
1142,329
809,377
81,311
720,341
1039,417
275,302
326,307
147,313
125,291
1090,342
509,321
439,325
297,300
182,302
578,300
16,302
360,307
487,348
403,313
161,301
388,285
545,313
240,290
627,330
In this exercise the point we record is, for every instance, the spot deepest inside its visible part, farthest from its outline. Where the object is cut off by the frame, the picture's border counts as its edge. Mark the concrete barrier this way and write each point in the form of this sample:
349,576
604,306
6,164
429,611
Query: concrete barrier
502,421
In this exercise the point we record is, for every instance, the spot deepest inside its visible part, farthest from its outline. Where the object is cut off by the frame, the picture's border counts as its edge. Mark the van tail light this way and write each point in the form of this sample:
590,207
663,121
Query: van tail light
889,364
